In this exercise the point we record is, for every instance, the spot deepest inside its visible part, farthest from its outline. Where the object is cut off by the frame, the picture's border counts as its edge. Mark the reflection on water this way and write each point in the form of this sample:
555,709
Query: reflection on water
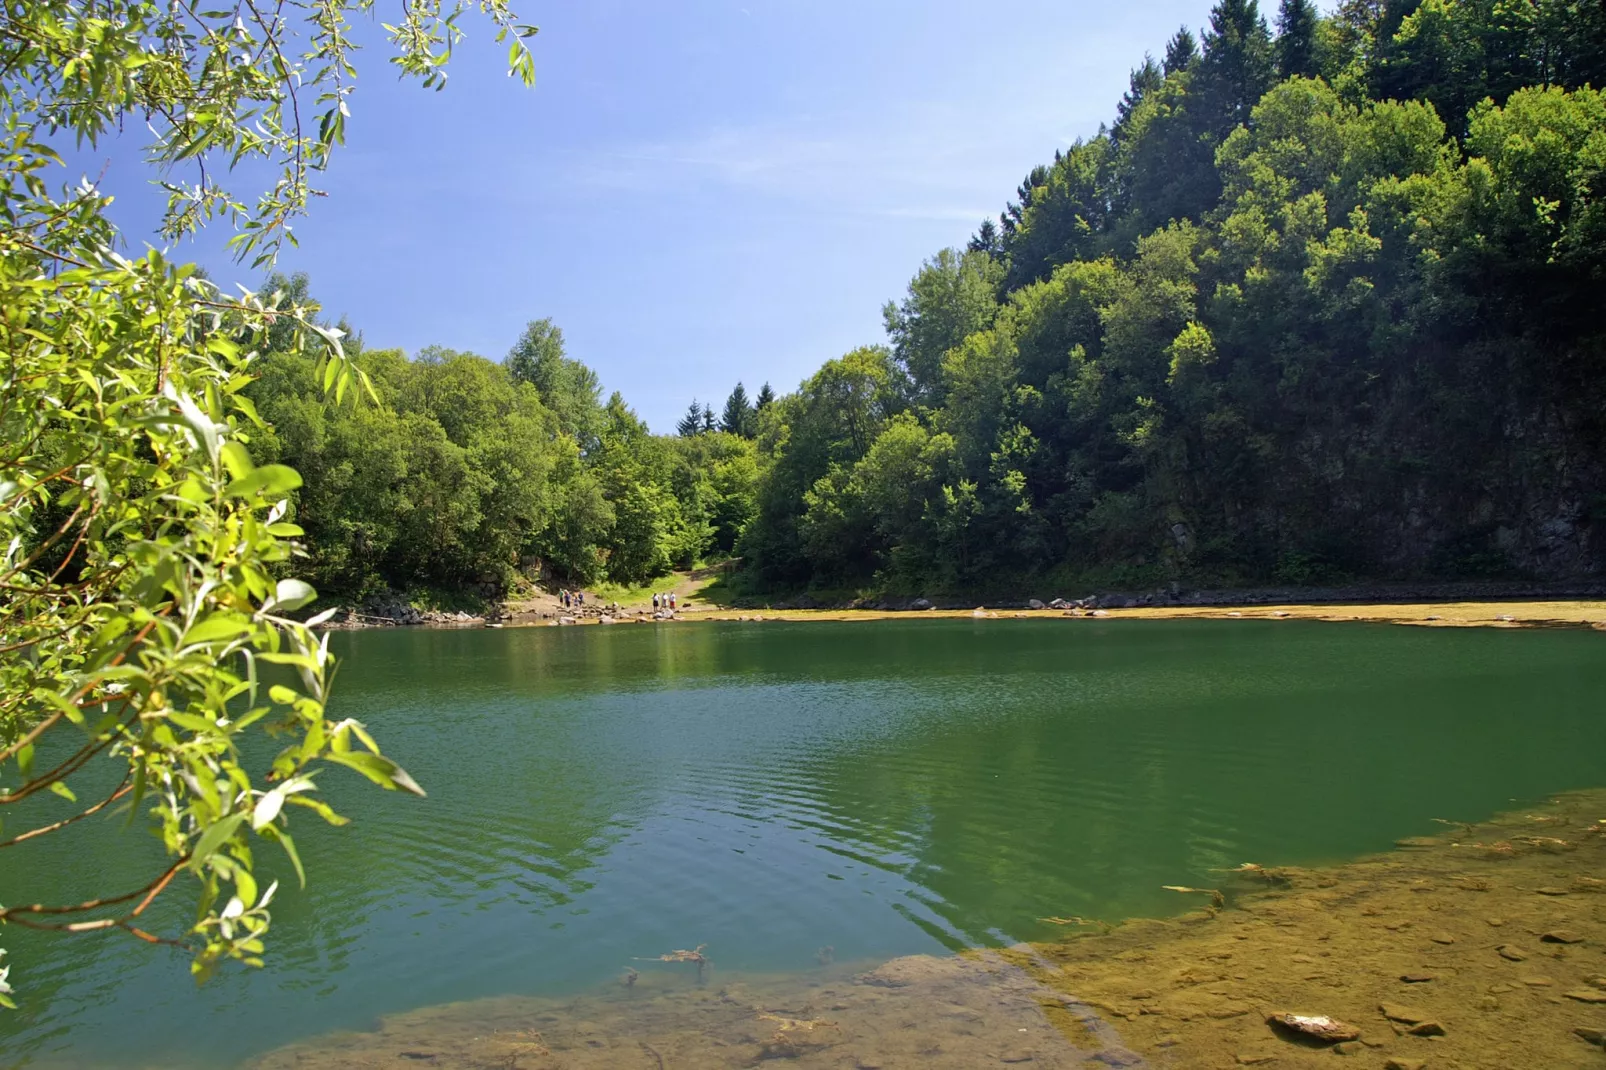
602,795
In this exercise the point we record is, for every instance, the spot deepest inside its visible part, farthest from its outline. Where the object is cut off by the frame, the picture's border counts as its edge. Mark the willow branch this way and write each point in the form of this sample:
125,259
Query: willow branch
149,891
123,788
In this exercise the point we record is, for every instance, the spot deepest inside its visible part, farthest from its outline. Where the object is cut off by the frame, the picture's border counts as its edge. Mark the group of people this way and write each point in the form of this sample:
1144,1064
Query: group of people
576,599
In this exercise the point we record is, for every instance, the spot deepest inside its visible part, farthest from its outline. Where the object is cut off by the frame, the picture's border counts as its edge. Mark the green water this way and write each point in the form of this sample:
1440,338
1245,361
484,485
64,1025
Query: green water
884,788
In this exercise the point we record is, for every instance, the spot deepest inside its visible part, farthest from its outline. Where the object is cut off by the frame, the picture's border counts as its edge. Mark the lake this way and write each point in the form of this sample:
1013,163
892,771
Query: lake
601,796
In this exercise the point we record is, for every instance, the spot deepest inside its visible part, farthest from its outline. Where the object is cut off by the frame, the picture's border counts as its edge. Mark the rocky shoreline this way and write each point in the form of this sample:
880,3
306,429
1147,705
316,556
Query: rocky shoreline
1178,595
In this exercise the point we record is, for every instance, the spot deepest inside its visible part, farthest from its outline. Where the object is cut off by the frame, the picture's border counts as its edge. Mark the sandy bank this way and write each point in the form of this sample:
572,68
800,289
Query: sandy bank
1539,614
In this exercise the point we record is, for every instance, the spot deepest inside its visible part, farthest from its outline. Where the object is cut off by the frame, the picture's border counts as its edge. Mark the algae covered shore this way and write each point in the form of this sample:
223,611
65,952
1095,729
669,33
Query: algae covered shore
1483,948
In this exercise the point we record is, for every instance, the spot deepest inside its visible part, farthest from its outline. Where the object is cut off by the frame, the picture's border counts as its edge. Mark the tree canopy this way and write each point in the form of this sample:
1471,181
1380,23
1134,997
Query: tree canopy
1316,307
152,618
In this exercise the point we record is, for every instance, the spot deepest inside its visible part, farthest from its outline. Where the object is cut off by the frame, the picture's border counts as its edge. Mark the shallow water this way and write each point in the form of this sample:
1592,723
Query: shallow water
600,796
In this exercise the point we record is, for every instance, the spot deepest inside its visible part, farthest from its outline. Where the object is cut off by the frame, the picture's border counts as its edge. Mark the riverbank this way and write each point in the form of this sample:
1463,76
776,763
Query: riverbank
1443,605
1561,613
1574,613
1479,949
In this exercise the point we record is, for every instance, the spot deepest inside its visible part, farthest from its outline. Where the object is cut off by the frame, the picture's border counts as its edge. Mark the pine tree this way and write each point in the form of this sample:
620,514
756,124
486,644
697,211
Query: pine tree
738,418
1236,69
1296,39
708,419
1144,80
691,423
1180,51
986,240
766,397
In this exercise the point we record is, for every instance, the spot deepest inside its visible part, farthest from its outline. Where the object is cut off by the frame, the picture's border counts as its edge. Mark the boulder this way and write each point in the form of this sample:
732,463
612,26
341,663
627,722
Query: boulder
1035,604
921,603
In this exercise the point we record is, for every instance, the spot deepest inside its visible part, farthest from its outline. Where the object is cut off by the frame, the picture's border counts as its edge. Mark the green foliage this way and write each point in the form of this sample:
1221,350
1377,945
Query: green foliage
568,388
151,619
954,295
1259,330
461,478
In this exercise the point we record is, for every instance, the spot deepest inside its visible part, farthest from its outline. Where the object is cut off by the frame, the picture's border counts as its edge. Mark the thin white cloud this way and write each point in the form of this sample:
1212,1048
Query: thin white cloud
929,163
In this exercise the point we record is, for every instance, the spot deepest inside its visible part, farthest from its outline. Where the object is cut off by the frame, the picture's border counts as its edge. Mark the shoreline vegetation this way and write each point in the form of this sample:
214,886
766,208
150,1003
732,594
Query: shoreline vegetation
1479,947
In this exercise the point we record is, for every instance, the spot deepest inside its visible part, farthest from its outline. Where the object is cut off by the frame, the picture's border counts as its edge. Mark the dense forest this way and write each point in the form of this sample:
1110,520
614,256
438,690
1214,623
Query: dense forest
1319,305
463,472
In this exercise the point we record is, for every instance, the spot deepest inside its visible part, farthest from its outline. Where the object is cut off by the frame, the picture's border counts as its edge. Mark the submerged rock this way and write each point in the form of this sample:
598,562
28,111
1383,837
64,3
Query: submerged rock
1562,936
1320,1027
1400,1012
1587,995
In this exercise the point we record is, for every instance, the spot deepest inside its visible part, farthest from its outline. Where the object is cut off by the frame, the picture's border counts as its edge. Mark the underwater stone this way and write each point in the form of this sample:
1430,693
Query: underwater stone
1400,1012
1562,936
1587,995
1318,1026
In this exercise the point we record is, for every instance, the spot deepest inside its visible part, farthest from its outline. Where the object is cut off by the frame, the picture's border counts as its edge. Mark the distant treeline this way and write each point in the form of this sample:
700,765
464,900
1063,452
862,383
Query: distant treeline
1317,306
468,470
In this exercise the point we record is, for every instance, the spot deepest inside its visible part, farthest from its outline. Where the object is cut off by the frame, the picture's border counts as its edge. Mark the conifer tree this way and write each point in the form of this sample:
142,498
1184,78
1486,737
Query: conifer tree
1296,39
739,417
1236,69
986,240
692,423
766,397
1145,79
1180,51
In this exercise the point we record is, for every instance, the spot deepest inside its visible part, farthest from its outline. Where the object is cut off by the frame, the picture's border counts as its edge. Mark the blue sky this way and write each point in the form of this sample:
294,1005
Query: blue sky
696,192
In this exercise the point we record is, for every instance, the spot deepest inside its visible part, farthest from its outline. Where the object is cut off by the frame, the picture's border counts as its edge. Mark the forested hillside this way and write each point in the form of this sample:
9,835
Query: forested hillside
1317,306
